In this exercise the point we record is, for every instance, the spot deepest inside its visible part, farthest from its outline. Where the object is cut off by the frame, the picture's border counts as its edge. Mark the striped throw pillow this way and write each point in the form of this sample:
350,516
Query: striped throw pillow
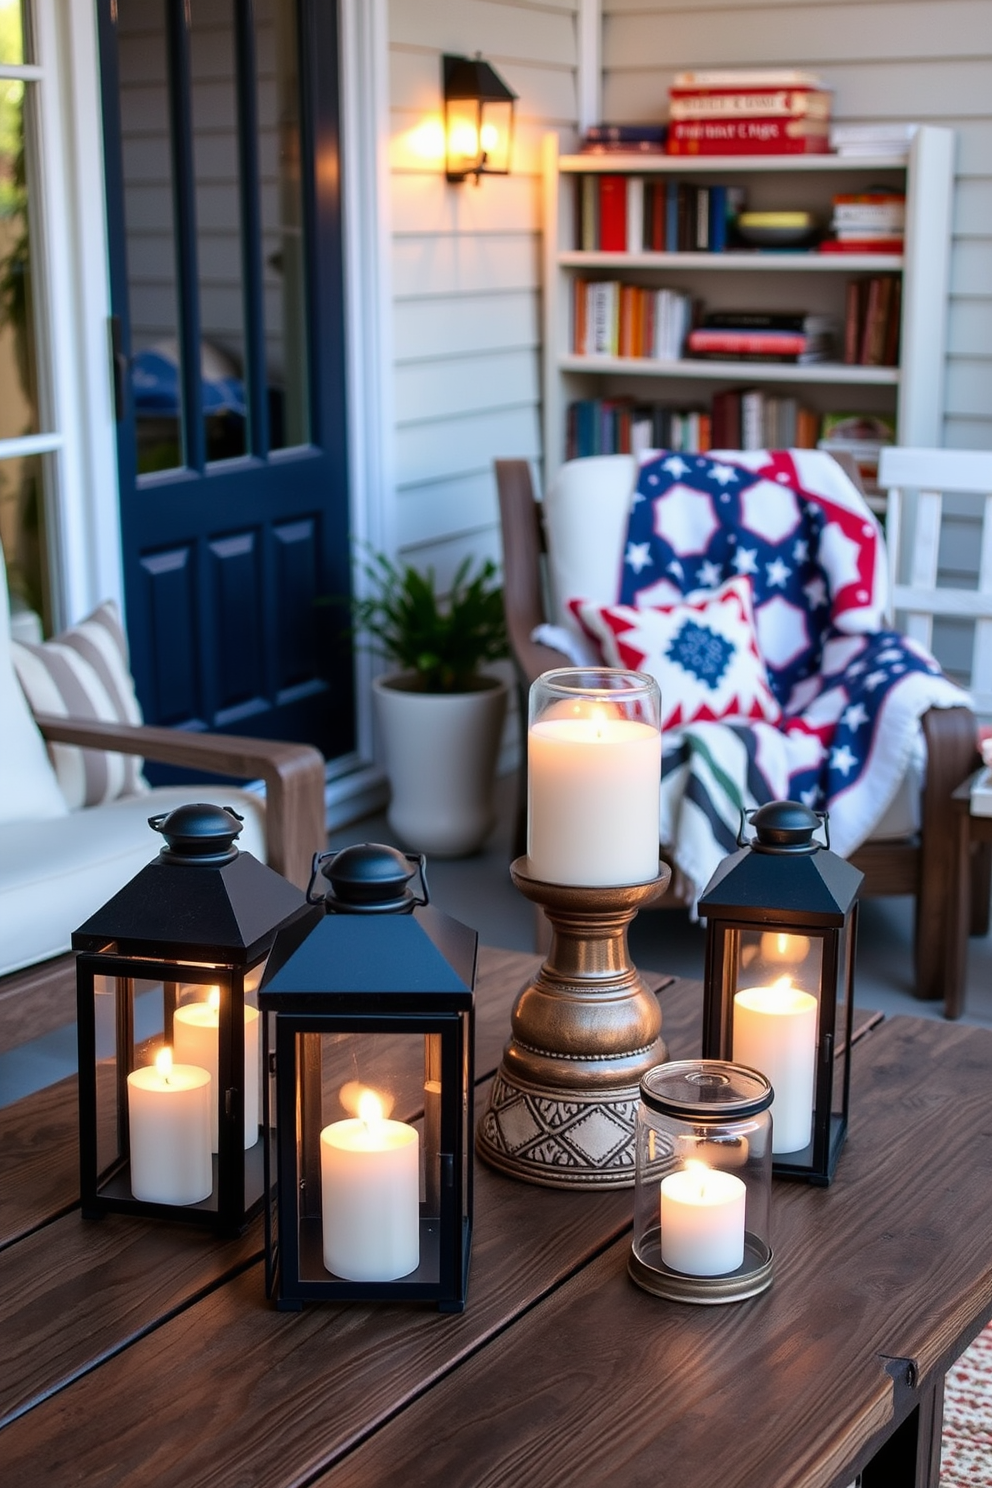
84,673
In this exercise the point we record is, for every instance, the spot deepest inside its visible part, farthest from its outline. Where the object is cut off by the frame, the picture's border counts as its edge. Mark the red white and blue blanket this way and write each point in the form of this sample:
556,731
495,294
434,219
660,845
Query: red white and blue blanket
851,691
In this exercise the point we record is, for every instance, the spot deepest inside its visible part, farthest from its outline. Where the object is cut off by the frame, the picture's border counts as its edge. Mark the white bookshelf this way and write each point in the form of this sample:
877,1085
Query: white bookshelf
911,391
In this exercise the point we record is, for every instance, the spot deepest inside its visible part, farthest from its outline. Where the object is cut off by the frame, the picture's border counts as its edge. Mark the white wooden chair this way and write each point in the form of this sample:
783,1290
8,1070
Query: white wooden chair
939,533
939,530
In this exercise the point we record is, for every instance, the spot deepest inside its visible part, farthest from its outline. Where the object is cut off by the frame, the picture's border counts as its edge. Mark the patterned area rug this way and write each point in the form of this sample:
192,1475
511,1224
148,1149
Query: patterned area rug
966,1447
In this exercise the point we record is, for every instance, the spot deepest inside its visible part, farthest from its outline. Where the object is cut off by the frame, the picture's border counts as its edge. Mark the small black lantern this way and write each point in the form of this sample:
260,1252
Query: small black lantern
369,1032
167,981
779,982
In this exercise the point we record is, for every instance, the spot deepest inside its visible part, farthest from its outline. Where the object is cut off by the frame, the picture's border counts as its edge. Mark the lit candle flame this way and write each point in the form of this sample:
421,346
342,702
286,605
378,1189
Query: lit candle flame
163,1062
213,999
700,1171
370,1109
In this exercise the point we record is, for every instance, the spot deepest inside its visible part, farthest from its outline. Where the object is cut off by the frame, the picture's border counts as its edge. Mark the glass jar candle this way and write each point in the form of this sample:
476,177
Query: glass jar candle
593,777
703,1156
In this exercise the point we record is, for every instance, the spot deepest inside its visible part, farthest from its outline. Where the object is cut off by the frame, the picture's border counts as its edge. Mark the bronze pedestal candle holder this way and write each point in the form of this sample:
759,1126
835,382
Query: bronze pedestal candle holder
564,1100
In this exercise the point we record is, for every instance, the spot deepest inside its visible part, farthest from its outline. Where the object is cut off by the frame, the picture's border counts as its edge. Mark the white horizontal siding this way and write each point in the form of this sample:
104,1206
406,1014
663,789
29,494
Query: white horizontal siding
925,60
466,269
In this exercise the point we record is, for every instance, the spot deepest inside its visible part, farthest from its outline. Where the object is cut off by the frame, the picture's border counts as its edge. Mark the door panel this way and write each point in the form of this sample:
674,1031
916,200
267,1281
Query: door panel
226,276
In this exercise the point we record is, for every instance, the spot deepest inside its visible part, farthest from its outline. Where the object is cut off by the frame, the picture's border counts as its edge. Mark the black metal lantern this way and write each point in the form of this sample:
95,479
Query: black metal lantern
167,980
478,119
369,1031
779,982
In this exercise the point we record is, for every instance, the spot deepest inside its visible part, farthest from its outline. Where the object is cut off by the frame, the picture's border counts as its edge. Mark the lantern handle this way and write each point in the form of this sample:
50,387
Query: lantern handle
823,817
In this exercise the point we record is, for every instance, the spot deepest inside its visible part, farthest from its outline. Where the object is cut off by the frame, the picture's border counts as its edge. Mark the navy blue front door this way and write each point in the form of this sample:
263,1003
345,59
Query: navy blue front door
227,337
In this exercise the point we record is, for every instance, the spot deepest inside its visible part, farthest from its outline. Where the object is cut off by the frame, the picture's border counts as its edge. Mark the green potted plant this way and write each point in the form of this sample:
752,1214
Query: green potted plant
440,715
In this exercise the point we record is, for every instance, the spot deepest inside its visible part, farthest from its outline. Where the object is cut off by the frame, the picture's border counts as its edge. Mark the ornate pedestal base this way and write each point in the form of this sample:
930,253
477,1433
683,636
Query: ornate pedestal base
562,1107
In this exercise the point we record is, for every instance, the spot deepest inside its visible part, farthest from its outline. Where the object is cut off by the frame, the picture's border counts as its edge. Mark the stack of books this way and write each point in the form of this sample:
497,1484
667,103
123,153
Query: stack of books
762,336
624,139
862,436
867,222
871,322
778,111
627,320
629,214
856,141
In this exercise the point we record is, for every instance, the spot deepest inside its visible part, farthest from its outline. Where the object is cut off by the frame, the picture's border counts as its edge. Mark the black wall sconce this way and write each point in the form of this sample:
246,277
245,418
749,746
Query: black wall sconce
478,119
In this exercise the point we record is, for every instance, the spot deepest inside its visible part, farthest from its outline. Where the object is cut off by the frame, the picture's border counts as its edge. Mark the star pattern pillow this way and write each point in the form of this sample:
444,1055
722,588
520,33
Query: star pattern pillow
703,653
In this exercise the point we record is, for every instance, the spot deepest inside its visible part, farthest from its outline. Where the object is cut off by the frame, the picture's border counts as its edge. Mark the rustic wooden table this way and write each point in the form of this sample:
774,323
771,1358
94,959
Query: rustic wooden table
145,1354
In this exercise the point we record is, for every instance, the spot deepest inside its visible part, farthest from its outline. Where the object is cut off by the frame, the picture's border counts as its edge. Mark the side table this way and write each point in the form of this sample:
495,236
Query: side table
969,890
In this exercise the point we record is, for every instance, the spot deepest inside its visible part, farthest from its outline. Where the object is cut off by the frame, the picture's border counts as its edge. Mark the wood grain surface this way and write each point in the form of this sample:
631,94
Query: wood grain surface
145,1353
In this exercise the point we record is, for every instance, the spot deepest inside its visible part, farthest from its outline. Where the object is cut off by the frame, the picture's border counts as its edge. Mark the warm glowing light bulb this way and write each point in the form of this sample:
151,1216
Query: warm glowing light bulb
163,1062
426,140
370,1108
489,136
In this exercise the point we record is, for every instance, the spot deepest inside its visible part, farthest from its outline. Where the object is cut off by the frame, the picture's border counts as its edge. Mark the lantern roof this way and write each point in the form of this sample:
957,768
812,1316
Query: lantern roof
393,959
817,886
176,908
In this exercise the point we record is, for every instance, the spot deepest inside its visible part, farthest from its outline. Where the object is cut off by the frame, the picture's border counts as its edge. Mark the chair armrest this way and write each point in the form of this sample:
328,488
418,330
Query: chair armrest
293,775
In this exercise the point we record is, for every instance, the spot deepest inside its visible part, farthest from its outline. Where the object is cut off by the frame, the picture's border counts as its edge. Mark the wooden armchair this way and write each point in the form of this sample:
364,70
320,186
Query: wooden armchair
919,865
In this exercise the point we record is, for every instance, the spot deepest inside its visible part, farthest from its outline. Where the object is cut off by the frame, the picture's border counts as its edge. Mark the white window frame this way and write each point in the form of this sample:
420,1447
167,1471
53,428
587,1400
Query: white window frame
71,292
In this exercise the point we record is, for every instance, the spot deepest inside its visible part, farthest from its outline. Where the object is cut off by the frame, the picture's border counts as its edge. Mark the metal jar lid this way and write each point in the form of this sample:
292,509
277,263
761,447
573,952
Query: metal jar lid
701,1090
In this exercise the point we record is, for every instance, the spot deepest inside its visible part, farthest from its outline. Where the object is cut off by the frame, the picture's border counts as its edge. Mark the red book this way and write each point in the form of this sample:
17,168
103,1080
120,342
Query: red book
738,343
767,136
613,214
691,104
862,245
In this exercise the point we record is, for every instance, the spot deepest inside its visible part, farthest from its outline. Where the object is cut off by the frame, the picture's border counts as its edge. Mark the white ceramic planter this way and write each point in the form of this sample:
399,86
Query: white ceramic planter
440,755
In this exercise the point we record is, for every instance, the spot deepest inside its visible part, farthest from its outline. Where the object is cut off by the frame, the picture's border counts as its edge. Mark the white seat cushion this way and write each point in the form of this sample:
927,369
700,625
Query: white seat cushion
55,873
28,787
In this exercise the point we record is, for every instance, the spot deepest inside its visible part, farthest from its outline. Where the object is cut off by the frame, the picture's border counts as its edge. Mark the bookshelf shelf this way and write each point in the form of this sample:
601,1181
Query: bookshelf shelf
762,281
826,372
723,165
761,263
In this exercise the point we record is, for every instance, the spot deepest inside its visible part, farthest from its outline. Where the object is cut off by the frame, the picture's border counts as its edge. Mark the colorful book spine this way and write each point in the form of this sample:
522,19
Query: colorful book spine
748,343
764,136
612,214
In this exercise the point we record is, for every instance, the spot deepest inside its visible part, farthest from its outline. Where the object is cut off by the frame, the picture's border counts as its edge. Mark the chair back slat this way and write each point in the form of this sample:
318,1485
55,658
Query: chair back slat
919,482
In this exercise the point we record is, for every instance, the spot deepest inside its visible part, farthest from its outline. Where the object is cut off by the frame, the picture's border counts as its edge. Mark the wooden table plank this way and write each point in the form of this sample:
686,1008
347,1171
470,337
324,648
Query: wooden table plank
77,1292
39,1160
239,1336
602,1383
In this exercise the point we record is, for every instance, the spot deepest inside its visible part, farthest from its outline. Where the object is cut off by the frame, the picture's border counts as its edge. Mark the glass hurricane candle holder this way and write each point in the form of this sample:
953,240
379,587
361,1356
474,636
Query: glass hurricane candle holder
703,1154
593,777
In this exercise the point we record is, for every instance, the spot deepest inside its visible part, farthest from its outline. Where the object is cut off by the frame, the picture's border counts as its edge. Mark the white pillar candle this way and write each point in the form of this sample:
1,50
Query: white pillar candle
702,1221
594,786
168,1109
370,1197
775,1032
195,1036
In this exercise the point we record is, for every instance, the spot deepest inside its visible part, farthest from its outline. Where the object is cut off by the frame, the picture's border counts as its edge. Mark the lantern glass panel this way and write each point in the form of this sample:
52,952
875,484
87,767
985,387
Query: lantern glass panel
765,957
463,142
495,135
369,1139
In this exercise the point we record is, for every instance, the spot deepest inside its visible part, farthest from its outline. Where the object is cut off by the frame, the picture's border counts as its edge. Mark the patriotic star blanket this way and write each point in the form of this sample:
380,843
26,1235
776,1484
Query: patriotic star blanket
851,691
